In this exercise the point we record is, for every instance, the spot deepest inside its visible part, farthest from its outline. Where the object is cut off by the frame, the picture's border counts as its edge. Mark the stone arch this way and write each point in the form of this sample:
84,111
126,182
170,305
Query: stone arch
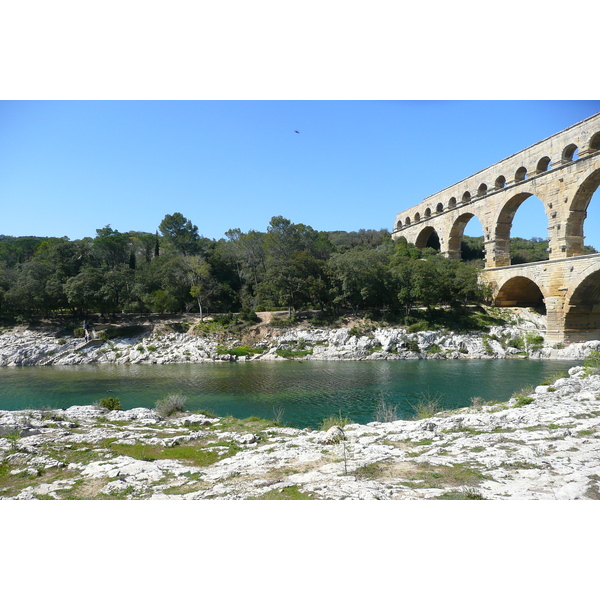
399,224
521,174
520,291
407,221
578,213
543,165
456,235
503,228
439,208
428,238
594,144
452,202
569,153
500,182
482,190
582,308
417,217
427,212
466,197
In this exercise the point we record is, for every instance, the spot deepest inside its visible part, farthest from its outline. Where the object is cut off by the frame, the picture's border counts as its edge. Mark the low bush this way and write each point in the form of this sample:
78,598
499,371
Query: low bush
419,326
170,405
592,360
413,346
534,341
523,401
355,332
238,350
287,353
385,412
516,342
110,403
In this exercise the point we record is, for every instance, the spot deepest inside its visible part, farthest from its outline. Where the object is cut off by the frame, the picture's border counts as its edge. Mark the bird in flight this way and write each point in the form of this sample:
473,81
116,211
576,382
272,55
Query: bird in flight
296,131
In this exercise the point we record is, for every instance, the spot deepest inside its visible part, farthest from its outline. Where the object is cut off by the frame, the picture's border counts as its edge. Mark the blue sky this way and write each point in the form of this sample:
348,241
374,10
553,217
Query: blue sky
68,168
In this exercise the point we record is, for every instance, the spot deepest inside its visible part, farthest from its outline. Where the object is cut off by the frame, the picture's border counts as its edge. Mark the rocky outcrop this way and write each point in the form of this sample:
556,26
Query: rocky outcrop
523,338
542,446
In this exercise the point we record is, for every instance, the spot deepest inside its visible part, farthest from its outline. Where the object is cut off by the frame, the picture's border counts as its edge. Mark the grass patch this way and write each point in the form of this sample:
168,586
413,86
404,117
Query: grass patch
428,406
467,494
290,492
198,456
373,471
335,420
440,476
239,350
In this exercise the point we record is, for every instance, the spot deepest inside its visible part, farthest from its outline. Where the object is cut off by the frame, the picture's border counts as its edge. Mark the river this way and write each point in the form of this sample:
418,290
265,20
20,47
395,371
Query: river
303,393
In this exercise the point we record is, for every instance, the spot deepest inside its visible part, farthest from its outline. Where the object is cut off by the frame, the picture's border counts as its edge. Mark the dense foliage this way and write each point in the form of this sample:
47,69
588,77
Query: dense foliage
290,266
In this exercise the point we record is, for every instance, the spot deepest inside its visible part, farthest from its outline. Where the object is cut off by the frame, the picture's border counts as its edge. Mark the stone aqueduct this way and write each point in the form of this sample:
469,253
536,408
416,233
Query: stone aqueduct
563,171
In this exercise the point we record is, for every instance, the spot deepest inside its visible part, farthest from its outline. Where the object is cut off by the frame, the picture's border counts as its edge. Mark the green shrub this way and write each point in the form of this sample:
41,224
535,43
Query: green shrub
534,341
110,403
238,350
418,326
355,332
516,342
523,401
413,346
79,332
170,405
287,353
248,314
592,360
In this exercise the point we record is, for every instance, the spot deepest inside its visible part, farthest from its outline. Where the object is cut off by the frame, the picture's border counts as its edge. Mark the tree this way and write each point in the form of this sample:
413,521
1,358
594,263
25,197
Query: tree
360,278
202,284
293,253
84,291
111,247
181,233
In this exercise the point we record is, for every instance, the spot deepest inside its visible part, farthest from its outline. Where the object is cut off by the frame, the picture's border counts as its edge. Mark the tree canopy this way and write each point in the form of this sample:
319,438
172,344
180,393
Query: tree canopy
289,266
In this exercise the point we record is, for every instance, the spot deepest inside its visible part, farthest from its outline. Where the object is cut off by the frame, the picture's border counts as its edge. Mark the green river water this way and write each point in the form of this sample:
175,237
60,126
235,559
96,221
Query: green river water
306,392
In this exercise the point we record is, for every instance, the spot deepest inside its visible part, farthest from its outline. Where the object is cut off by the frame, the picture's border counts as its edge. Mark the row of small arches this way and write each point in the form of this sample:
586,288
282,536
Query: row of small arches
521,174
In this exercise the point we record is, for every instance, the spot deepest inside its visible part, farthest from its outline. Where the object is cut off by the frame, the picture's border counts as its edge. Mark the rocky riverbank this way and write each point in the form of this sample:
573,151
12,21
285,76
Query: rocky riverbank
192,341
544,445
